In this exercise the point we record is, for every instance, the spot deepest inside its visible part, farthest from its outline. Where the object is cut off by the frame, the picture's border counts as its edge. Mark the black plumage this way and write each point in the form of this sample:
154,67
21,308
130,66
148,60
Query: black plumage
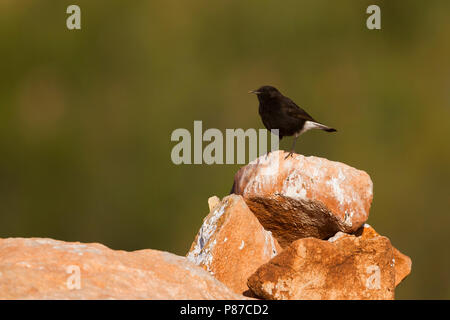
280,112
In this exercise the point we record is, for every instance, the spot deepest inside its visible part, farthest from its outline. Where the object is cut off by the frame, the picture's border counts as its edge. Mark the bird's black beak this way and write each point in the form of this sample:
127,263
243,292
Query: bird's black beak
254,91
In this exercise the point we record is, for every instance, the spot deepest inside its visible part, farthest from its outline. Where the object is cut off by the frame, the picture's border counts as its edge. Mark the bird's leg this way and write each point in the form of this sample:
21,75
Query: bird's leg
292,148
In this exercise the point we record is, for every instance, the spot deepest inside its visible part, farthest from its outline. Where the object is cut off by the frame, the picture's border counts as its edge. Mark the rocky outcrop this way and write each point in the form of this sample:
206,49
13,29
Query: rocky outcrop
231,244
294,228
49,269
302,197
344,267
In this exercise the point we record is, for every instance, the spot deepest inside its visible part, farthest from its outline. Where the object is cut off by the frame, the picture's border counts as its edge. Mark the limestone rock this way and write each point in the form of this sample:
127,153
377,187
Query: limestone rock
302,196
232,244
344,267
38,268
213,202
402,263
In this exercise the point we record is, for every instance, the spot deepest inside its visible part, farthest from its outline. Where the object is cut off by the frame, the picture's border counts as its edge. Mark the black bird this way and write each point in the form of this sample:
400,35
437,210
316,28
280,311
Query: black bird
280,112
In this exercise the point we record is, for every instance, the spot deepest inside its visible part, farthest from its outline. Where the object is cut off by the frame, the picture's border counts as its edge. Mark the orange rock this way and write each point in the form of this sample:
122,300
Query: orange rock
50,269
402,263
232,244
302,197
344,267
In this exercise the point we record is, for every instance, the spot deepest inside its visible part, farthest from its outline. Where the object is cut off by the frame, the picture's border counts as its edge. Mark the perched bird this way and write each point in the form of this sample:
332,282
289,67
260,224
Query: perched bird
280,112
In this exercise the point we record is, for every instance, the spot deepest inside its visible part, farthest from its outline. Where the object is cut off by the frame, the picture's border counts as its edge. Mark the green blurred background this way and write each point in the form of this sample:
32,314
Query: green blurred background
86,116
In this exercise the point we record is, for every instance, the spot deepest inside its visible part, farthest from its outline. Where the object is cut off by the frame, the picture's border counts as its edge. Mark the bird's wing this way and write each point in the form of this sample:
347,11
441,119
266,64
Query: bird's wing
294,111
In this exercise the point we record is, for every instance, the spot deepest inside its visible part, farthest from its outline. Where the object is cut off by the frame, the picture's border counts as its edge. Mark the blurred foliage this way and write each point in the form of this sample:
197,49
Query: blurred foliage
86,116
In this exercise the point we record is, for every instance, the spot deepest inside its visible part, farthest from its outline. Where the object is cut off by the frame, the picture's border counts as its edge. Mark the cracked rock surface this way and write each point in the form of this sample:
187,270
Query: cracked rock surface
301,197
231,243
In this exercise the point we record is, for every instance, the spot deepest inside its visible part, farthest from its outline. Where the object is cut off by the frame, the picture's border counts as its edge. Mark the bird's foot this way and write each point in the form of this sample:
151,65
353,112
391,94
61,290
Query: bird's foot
290,154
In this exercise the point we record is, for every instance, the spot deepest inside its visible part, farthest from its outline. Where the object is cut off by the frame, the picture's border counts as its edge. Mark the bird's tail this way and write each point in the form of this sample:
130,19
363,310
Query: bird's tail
328,129
324,127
